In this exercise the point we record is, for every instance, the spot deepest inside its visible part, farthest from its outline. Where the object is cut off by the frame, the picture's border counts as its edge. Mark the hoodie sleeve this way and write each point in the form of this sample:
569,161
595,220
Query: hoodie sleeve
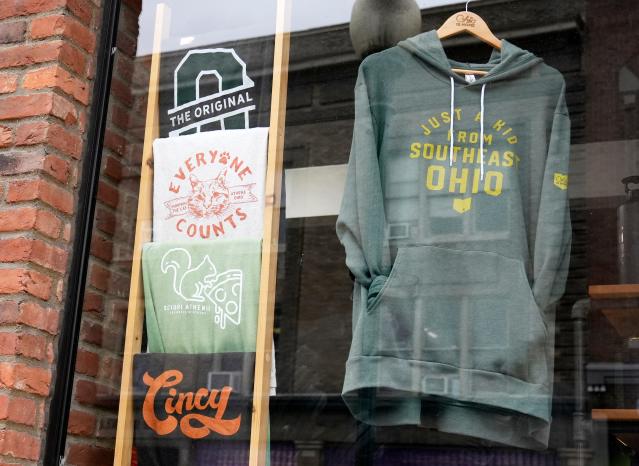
554,232
361,222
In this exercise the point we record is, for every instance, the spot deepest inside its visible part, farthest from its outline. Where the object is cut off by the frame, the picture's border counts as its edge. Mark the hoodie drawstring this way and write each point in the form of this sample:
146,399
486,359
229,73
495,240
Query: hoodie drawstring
481,131
452,119
452,126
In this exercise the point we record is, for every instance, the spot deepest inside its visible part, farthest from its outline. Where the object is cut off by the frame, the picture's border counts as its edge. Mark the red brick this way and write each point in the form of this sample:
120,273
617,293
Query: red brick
9,312
23,190
17,409
6,137
37,105
111,369
25,378
19,445
22,411
119,313
8,342
104,220
99,277
95,394
81,423
15,249
25,55
65,141
59,291
115,142
82,9
57,167
73,57
49,256
19,280
56,197
50,133
87,363
108,194
57,77
64,110
12,32
85,391
33,346
135,5
32,133
120,116
113,168
102,248
113,340
107,427
120,284
32,379
36,316
89,455
7,375
16,163
48,224
8,82
93,302
18,219
23,106
28,7
91,333
28,190
24,344
66,234
119,89
127,44
63,25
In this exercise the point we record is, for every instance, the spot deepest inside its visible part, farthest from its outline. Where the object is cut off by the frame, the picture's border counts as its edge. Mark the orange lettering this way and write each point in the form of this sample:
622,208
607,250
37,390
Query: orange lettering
192,425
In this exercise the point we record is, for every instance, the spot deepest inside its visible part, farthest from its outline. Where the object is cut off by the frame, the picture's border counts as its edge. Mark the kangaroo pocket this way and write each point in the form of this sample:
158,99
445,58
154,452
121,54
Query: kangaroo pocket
467,309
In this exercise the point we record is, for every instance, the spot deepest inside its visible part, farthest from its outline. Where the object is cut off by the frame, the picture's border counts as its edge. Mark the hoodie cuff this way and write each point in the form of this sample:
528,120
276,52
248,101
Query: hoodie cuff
375,288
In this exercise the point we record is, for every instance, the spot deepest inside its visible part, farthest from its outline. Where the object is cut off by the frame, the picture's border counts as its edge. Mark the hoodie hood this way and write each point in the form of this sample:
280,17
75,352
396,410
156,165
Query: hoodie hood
503,64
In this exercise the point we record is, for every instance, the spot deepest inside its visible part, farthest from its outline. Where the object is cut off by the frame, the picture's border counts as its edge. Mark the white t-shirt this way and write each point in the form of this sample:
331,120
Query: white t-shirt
209,185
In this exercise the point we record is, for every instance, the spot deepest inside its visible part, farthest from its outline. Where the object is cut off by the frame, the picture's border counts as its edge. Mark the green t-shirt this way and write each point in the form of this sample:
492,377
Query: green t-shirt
201,296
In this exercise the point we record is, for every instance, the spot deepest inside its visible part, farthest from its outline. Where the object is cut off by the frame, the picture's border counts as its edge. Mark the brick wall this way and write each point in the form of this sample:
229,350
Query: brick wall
46,72
93,415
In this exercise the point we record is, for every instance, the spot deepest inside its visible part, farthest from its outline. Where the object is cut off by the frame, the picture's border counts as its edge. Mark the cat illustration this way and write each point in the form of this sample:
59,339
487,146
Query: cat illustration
209,197
191,284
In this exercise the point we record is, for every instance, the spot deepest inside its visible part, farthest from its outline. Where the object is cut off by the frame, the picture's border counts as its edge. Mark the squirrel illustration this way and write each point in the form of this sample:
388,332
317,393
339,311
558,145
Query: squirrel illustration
191,284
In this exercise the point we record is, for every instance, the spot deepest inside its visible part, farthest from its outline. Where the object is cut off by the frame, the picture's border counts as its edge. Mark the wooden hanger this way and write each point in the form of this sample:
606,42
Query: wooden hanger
471,23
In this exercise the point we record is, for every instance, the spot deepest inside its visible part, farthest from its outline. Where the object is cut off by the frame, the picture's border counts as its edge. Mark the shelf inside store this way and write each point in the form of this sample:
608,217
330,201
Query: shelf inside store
615,415
614,291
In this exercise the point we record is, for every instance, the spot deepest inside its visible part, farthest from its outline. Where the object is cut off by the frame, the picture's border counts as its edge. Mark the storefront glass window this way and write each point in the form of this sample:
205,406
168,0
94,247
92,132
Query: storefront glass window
454,274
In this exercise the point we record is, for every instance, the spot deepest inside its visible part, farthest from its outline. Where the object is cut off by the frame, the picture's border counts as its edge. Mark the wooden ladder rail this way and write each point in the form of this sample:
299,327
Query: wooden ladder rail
143,234
268,274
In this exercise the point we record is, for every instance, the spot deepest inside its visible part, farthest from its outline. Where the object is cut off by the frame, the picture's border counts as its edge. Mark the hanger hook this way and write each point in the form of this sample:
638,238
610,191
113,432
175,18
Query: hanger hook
467,4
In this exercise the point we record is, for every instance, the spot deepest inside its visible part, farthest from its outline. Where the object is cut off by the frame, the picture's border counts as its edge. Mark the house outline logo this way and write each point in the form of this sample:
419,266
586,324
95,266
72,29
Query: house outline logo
230,105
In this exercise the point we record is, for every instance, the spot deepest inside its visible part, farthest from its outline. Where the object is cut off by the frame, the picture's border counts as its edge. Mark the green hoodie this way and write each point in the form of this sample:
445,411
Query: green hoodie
458,261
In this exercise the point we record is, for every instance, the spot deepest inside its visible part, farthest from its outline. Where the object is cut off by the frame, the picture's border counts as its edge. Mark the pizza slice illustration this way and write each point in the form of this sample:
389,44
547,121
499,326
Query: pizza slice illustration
224,291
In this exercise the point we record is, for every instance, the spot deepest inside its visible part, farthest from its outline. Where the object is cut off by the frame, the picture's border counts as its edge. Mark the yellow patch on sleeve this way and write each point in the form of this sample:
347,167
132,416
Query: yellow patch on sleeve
561,181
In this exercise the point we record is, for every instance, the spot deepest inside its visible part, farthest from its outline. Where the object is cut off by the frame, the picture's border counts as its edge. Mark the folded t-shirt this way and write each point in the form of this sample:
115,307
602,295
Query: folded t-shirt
209,185
189,405
202,296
